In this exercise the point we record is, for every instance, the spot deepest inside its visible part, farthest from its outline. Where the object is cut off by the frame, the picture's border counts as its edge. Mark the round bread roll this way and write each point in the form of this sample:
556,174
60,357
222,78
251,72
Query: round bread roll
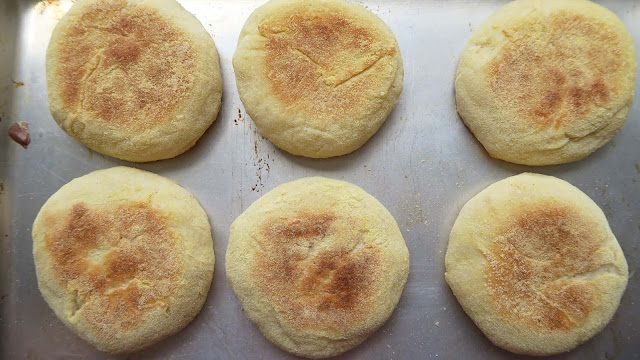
124,257
546,82
318,77
533,262
136,80
318,265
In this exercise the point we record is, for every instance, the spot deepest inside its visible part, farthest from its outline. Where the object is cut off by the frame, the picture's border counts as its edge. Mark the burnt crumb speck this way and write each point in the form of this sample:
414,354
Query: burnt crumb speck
19,132
261,164
17,83
239,119
1,188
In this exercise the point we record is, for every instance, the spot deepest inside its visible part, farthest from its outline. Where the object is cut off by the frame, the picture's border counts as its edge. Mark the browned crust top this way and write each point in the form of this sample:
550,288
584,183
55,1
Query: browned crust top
325,62
125,65
313,285
554,72
117,264
538,270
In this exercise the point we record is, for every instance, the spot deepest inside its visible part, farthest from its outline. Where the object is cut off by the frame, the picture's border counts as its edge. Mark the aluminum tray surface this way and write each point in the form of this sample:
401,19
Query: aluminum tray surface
423,165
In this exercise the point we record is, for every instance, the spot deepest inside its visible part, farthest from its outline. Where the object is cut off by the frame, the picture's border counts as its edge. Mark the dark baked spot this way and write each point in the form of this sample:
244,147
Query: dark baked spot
316,270
346,284
123,52
555,72
325,61
119,261
531,268
124,64
121,264
581,97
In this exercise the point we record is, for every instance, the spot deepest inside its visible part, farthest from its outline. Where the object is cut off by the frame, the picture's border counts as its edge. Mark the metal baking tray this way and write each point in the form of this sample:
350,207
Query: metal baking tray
423,165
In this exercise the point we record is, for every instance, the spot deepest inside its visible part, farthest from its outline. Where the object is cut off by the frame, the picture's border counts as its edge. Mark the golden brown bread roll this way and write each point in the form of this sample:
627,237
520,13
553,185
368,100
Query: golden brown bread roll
533,262
318,265
136,80
317,77
546,82
124,257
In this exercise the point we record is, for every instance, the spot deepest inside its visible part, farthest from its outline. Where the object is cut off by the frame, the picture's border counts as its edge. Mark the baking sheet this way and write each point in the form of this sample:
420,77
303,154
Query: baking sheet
423,165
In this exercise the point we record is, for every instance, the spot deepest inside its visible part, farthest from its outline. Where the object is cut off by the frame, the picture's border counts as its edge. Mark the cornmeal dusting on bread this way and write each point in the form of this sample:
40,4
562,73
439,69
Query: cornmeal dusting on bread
538,270
125,64
554,71
318,277
327,60
117,262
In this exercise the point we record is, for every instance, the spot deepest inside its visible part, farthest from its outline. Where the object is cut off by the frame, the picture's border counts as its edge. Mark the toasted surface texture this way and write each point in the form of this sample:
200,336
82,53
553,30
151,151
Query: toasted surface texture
124,257
317,77
318,265
533,262
546,82
136,80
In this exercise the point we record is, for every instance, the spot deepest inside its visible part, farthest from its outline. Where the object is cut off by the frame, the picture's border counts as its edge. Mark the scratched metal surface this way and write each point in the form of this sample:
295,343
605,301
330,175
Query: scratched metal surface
423,165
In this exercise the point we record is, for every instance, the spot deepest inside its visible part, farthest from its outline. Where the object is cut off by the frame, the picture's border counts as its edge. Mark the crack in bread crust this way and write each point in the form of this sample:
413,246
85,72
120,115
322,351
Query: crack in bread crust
325,58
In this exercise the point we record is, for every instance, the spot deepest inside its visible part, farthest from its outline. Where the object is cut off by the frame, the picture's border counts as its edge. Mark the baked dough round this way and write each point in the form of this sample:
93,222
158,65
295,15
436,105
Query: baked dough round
533,262
546,82
318,265
124,257
136,80
318,77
